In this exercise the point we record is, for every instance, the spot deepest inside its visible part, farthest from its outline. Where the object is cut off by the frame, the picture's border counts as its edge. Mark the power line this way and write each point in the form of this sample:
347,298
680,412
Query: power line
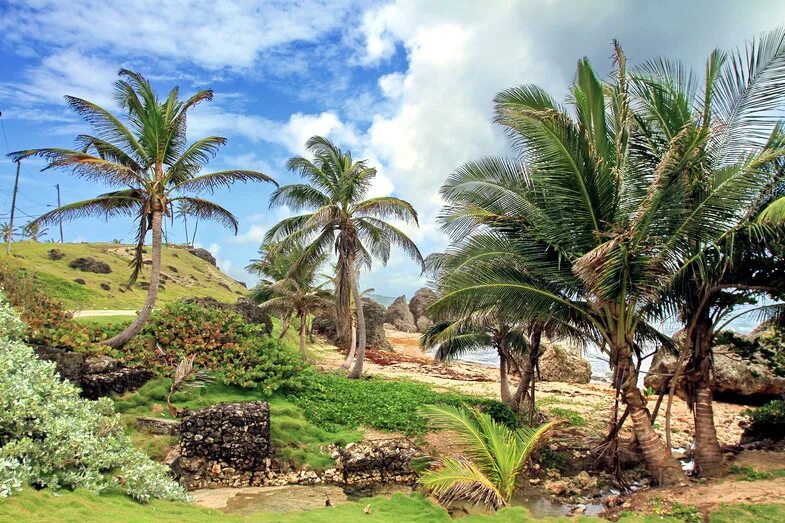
5,136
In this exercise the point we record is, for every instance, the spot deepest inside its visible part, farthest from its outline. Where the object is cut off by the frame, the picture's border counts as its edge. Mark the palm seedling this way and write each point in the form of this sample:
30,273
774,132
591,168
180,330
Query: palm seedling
488,471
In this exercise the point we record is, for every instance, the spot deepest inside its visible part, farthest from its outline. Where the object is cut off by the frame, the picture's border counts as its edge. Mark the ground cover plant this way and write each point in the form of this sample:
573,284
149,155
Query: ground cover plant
51,437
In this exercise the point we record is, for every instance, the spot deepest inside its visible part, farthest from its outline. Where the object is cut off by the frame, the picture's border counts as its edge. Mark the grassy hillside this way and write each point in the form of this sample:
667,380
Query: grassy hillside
182,275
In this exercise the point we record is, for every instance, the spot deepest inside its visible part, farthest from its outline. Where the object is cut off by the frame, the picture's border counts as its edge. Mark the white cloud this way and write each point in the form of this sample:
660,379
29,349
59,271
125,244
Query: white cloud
215,35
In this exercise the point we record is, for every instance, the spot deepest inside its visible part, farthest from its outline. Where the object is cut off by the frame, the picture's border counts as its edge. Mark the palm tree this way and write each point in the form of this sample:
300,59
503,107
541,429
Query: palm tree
296,295
146,156
489,471
729,126
182,212
617,227
453,339
343,221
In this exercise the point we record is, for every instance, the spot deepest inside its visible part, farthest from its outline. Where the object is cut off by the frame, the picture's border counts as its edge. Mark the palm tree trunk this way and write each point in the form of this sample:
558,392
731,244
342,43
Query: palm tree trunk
285,325
358,363
303,330
504,381
352,348
152,291
708,455
185,223
343,302
659,459
524,394
193,238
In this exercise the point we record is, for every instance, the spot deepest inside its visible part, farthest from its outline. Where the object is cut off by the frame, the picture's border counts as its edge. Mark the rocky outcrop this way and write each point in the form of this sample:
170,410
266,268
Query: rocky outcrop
418,306
374,325
559,363
90,265
734,378
96,375
325,325
399,316
55,254
203,254
378,461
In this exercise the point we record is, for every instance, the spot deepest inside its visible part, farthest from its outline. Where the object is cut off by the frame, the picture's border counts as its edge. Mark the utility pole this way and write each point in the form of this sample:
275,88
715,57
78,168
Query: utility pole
13,208
58,206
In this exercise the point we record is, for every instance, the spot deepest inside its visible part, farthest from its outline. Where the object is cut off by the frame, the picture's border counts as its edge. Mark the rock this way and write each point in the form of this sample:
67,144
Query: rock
105,286
584,481
204,254
99,363
325,325
734,378
558,363
556,488
55,254
399,315
80,281
95,386
162,426
90,265
419,304
423,323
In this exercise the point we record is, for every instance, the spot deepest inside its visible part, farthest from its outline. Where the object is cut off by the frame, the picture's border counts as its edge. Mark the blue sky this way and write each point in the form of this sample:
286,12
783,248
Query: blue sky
406,84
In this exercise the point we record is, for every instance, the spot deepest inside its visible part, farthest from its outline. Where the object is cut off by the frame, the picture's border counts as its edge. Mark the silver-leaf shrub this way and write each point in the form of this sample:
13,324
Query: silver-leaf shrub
51,437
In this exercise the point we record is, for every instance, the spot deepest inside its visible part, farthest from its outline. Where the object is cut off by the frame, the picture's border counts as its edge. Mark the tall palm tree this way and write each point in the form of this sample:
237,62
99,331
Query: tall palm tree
489,471
729,124
341,220
145,156
297,294
618,227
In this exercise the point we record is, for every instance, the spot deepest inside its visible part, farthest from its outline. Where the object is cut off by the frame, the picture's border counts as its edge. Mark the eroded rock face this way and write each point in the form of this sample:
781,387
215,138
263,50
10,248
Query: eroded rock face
418,305
235,435
90,265
97,375
399,315
734,378
325,325
559,363
203,254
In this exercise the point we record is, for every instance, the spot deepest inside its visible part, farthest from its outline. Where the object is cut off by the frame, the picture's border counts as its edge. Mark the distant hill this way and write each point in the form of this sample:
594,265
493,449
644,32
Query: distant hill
384,300
182,275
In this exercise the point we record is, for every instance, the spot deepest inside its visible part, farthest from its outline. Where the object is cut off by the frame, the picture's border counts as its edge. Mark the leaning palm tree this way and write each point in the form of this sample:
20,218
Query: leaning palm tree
453,339
146,156
489,470
730,125
601,232
343,221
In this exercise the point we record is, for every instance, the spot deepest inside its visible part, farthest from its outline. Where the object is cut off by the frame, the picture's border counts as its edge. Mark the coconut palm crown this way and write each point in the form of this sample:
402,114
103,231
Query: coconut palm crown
145,156
341,220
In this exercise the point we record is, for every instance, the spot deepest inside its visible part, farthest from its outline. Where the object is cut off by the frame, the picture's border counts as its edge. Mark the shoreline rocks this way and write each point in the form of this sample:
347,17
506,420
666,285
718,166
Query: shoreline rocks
559,363
399,316
419,303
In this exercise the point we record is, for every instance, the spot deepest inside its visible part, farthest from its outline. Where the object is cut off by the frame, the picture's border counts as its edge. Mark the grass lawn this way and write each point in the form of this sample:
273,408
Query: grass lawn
105,321
183,275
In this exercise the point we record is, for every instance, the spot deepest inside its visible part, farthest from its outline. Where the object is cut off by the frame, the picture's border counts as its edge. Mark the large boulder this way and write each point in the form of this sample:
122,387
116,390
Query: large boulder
734,378
203,254
559,363
419,304
399,316
90,265
325,325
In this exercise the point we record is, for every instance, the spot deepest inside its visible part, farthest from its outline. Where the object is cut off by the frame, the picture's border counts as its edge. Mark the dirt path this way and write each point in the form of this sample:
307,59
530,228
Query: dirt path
102,313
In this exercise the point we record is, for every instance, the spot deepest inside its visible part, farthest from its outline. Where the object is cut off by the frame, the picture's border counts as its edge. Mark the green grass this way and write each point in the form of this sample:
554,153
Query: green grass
748,473
575,418
81,506
105,321
295,439
743,513
184,275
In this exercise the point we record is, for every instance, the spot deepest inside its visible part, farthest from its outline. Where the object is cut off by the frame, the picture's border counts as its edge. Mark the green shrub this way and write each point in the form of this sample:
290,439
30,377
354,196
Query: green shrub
768,418
53,438
237,352
334,402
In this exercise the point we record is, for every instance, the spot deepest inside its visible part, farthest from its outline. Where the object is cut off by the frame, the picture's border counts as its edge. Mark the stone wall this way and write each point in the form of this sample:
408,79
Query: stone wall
228,445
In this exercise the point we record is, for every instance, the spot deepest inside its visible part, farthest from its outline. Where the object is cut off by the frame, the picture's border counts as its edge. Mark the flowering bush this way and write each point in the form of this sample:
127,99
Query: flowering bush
220,340
53,438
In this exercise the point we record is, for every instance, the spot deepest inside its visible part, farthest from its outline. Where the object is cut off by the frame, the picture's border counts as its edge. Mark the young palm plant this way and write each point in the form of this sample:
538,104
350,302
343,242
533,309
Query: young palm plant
297,295
146,156
343,221
489,471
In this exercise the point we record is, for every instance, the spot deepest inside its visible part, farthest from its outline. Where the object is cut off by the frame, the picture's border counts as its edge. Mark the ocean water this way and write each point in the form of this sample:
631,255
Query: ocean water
599,361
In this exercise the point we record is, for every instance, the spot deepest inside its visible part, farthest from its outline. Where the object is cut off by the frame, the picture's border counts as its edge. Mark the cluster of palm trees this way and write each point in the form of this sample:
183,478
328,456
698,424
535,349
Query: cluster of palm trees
652,195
